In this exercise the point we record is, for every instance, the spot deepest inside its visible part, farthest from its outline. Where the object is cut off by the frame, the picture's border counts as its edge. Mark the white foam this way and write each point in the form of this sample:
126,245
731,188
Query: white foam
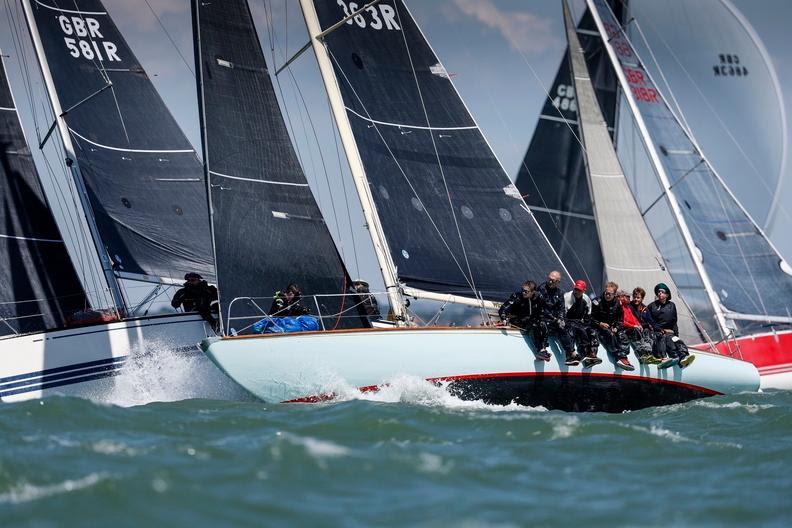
108,447
417,391
752,408
26,492
564,426
159,374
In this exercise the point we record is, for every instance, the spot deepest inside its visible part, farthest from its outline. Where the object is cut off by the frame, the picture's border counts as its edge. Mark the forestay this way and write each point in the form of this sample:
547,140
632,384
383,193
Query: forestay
39,287
746,274
142,175
552,177
630,254
268,230
453,221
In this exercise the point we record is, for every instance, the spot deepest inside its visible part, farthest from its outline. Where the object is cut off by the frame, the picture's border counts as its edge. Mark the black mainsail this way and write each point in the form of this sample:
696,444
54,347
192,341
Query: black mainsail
142,176
552,177
39,287
453,221
268,229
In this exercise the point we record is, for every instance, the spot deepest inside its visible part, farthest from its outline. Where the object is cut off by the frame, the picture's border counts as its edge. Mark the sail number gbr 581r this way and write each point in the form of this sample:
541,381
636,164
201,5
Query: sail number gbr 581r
380,16
83,39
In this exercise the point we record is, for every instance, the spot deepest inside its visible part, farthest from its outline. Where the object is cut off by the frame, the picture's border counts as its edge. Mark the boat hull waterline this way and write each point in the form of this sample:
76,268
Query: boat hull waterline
496,366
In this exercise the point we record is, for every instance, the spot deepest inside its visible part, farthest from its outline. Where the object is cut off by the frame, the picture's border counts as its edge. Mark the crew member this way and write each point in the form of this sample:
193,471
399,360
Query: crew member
368,304
641,313
578,323
668,346
551,322
287,303
608,317
523,310
197,296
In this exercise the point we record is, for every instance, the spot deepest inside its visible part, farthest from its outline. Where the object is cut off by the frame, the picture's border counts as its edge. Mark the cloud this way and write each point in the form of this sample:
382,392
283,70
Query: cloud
525,32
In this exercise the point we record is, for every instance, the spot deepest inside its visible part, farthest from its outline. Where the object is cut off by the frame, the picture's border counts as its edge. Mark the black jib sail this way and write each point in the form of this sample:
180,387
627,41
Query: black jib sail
143,177
39,287
552,177
453,221
268,229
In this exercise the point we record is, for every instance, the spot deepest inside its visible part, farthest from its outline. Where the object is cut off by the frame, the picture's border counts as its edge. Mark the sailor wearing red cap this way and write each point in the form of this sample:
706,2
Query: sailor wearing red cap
578,323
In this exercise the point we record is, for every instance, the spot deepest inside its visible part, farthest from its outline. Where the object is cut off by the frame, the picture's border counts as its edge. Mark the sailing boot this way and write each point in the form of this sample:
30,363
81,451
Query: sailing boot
572,359
687,360
591,359
543,355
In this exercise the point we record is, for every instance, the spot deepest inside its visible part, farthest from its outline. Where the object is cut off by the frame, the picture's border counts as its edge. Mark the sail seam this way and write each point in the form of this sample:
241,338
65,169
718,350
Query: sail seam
119,149
418,127
258,181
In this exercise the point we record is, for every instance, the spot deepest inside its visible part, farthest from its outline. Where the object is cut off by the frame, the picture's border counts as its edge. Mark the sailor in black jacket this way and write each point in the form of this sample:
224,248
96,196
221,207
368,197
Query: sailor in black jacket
607,316
668,346
197,296
552,322
523,310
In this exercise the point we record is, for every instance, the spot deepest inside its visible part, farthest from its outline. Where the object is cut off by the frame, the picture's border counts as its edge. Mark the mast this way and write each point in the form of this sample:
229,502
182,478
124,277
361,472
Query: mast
386,264
204,149
661,173
87,222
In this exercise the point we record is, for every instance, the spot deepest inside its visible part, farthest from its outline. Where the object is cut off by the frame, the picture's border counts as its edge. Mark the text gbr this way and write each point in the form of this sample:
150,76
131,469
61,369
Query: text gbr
82,39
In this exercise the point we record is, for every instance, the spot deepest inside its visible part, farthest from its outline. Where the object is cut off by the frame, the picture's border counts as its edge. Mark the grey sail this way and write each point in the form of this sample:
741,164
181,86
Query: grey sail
453,221
552,177
39,287
268,229
629,252
745,277
142,176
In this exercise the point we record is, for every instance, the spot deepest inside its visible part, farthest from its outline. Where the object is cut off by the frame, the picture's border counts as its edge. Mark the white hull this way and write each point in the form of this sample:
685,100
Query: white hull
86,361
493,365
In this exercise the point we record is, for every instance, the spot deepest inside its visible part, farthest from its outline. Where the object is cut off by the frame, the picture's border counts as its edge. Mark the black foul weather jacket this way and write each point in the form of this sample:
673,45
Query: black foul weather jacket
608,312
664,316
552,301
520,311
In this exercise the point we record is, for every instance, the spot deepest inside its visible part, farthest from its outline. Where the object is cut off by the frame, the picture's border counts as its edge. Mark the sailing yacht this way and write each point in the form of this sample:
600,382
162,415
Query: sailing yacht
446,224
141,214
723,265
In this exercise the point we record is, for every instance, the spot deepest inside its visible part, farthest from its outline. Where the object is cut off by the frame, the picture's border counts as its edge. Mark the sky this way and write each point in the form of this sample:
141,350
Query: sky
503,56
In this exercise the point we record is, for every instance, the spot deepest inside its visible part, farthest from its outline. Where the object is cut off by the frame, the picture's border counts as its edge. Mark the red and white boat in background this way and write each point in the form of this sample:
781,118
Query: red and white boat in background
770,352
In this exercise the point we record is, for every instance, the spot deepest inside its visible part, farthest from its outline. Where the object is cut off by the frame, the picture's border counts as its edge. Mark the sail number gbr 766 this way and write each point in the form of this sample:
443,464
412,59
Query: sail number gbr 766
380,16
84,39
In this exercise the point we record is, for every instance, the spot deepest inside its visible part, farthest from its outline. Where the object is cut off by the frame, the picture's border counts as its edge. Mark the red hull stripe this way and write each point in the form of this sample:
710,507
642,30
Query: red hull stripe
445,379
776,369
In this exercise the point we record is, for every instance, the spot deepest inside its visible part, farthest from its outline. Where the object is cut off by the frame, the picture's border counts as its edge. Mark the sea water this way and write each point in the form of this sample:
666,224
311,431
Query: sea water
411,455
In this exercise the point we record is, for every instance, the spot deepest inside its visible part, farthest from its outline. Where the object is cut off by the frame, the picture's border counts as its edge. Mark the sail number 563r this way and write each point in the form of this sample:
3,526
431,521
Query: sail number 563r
376,17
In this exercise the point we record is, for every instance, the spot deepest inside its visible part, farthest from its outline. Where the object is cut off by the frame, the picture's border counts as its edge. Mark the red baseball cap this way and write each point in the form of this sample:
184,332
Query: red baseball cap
581,285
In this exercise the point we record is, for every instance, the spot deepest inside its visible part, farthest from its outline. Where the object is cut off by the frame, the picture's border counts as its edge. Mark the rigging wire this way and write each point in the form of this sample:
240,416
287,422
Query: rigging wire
167,34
